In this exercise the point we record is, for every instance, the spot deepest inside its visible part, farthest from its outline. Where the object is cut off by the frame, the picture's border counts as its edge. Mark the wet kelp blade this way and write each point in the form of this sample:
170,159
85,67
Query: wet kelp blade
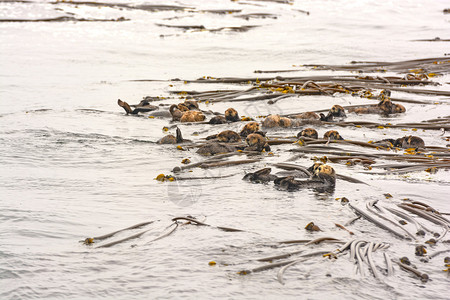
174,225
134,236
376,222
103,237
423,276
284,268
280,264
197,222
430,64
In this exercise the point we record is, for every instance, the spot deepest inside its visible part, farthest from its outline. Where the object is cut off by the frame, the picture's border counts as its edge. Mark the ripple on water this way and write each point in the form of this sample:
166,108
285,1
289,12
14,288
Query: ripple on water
73,165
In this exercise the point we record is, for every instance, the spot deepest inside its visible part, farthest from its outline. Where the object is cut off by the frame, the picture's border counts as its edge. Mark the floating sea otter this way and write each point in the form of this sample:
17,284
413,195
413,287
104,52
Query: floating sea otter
405,142
273,121
257,142
308,132
249,128
215,148
336,112
263,175
184,114
332,135
231,115
385,106
309,115
324,177
260,176
227,136
143,106
171,139
315,167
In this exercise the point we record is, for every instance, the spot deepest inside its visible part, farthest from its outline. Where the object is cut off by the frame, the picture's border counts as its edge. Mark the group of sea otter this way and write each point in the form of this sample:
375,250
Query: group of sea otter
255,139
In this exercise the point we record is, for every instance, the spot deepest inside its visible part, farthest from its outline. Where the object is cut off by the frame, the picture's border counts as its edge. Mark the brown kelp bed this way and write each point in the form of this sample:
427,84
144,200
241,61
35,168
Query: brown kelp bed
409,222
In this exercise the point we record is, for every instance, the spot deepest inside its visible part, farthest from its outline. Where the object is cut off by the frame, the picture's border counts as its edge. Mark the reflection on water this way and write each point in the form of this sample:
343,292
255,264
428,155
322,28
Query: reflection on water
74,166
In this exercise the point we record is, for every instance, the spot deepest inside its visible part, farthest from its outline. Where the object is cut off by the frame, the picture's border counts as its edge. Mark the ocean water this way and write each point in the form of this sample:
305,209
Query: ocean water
73,165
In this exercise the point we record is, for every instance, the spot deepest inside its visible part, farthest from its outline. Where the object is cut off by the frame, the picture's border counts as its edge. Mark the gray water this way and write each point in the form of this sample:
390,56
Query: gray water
73,165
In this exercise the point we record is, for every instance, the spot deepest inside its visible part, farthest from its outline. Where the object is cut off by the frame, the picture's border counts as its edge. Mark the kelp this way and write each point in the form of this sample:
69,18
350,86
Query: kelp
63,19
377,159
146,7
435,64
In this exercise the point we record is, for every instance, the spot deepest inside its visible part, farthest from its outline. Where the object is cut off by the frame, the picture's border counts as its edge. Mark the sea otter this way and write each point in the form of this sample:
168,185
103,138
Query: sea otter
260,176
273,121
192,116
324,177
385,106
231,115
227,136
405,142
410,142
257,142
309,115
249,128
215,148
332,135
171,139
338,111
308,132
185,116
143,106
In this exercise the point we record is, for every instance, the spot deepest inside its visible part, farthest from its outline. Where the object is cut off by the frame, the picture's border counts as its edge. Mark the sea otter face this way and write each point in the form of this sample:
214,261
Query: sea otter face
229,136
338,111
326,173
308,132
410,142
398,108
271,121
249,128
231,115
325,169
315,167
255,139
257,142
332,135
